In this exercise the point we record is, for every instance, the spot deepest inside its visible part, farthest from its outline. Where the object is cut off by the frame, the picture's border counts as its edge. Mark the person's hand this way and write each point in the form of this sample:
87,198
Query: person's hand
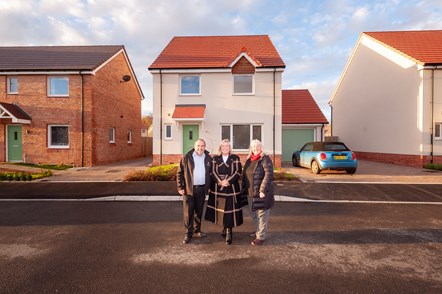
224,183
181,192
262,195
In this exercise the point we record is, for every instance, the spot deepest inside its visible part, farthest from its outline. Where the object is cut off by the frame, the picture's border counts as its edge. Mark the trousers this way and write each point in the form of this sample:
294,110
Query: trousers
193,210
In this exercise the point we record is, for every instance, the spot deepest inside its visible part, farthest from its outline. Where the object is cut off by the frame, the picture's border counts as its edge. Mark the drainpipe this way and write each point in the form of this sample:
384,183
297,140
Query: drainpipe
82,119
331,120
274,115
161,118
432,118
322,133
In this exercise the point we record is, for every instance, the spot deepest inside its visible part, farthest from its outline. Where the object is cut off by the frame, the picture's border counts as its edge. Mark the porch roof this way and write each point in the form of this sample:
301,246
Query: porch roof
189,112
15,113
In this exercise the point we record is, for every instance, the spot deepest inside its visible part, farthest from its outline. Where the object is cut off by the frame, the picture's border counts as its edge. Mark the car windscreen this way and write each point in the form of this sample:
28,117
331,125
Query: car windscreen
335,147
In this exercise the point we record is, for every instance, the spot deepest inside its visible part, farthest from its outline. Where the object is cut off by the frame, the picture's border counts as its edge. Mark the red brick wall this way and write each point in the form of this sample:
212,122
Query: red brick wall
105,101
117,104
401,159
175,158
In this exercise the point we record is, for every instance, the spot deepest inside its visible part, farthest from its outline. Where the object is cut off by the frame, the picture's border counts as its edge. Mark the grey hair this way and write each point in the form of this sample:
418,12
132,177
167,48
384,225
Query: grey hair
254,143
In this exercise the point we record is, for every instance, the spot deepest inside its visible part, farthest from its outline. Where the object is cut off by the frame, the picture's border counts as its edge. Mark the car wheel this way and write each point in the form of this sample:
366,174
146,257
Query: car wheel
350,171
315,167
294,161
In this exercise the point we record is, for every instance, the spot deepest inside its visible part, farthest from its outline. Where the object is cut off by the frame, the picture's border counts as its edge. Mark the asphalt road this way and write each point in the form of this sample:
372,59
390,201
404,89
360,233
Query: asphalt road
135,247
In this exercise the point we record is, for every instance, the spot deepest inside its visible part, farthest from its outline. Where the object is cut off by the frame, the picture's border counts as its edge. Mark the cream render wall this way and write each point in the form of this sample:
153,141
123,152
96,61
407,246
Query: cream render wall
221,108
376,107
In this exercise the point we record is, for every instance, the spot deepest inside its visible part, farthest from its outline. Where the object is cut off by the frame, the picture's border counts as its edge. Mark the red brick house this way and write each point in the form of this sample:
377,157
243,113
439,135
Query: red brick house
77,105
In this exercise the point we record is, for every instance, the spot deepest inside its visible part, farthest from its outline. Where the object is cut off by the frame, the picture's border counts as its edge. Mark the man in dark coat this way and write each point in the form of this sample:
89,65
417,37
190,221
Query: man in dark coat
193,180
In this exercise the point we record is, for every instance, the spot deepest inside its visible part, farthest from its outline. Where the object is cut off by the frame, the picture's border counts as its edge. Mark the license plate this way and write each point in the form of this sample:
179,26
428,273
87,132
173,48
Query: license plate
340,157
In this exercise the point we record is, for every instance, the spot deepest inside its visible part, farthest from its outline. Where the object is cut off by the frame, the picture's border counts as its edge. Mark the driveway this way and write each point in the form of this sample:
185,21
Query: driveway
370,172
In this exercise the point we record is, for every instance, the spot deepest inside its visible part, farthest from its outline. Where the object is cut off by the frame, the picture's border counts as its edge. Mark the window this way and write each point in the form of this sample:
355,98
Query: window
190,85
12,85
112,135
243,84
58,86
168,130
438,131
58,136
129,136
241,135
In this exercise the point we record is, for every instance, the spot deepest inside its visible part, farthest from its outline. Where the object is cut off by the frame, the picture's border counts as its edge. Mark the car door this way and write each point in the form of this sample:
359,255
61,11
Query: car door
306,155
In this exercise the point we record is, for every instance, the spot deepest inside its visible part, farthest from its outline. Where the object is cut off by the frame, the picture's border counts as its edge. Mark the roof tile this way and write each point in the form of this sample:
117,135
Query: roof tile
423,47
189,111
299,107
216,52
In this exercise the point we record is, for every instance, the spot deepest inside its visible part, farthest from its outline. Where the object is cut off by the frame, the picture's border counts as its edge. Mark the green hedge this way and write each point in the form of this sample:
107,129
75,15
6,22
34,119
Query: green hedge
24,176
434,166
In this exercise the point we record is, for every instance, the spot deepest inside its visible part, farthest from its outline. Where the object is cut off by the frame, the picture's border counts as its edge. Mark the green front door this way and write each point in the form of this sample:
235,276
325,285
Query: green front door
190,135
14,143
293,139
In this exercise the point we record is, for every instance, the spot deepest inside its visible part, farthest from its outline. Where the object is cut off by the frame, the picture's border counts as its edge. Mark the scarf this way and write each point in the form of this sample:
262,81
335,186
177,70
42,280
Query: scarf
255,157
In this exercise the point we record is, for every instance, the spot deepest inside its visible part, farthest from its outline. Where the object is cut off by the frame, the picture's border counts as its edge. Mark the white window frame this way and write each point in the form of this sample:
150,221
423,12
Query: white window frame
129,136
9,85
439,137
50,140
112,135
49,86
165,131
251,133
190,94
245,93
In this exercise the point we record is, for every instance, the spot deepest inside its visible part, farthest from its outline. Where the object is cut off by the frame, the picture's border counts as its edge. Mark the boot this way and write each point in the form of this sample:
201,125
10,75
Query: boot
228,236
223,233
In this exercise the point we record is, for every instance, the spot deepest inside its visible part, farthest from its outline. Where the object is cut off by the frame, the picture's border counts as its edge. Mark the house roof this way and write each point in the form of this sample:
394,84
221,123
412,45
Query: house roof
189,111
423,47
299,107
14,112
43,58
216,52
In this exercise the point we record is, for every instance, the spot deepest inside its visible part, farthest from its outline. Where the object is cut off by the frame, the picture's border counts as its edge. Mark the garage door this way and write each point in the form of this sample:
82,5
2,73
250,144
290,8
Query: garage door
293,140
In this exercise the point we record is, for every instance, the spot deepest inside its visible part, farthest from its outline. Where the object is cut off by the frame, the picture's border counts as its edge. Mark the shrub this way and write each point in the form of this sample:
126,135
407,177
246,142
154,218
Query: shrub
429,166
282,175
24,176
156,173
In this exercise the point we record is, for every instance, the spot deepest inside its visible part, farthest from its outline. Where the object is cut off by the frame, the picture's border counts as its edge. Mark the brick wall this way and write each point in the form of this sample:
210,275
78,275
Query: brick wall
107,103
401,159
175,158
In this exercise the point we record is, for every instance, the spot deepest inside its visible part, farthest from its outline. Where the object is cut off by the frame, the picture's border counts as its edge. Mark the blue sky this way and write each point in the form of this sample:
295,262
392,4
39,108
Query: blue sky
314,38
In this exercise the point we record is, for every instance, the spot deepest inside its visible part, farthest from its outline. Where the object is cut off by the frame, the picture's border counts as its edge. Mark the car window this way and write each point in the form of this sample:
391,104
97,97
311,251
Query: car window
307,147
335,147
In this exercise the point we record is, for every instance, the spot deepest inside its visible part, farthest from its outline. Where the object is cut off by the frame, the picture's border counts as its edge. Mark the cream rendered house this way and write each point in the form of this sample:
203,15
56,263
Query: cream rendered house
388,103
216,87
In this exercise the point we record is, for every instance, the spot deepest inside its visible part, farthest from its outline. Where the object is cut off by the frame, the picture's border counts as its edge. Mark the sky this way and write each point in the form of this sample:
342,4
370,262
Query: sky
314,37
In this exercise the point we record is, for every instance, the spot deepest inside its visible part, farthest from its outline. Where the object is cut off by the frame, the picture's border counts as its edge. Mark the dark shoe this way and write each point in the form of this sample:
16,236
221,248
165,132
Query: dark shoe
186,239
257,242
199,234
223,233
252,234
228,236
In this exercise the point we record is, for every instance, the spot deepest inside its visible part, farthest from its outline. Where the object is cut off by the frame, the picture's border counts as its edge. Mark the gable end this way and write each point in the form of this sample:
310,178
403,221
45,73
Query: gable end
243,66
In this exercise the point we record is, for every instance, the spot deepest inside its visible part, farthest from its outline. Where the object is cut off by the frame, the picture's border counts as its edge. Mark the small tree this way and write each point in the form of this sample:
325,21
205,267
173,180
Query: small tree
146,120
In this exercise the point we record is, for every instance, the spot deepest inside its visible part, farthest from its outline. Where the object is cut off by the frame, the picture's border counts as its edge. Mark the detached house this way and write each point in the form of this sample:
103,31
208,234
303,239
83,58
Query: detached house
216,87
302,121
77,105
388,103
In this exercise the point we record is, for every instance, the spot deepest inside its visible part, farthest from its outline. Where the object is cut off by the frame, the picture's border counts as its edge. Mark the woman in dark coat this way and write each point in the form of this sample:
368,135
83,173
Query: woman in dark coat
257,184
223,206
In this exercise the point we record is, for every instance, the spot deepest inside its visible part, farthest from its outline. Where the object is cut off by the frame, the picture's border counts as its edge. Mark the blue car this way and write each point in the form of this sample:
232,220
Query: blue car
325,155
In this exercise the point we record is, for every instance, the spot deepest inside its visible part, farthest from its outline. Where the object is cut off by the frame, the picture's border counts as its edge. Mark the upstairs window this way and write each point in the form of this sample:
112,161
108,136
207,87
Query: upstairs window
190,85
243,84
58,86
12,85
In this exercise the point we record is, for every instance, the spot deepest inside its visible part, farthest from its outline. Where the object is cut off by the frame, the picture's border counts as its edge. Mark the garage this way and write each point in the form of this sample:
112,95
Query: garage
293,139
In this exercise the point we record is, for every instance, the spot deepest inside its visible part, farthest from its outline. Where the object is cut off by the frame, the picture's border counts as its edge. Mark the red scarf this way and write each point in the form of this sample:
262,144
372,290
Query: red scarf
255,157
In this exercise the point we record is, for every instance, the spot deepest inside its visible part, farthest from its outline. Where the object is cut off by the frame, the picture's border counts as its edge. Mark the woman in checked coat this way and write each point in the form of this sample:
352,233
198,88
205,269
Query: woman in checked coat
224,206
